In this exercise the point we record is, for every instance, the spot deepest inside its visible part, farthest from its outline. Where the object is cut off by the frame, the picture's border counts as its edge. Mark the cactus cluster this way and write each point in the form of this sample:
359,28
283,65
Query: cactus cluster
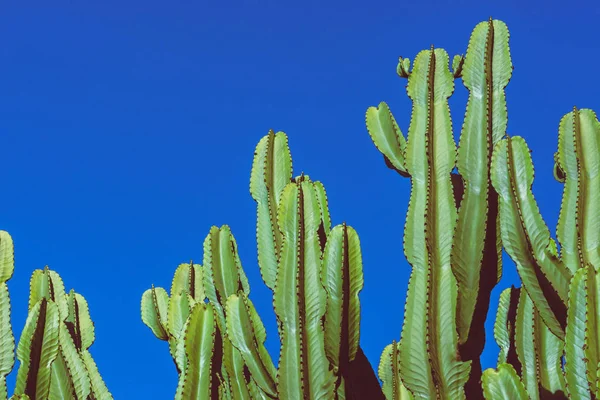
53,351
467,204
458,223
314,270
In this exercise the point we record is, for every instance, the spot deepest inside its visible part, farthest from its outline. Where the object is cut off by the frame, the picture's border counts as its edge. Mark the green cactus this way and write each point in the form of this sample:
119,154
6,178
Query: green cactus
53,351
175,318
455,252
528,346
554,316
315,273
456,227
389,373
7,340
562,287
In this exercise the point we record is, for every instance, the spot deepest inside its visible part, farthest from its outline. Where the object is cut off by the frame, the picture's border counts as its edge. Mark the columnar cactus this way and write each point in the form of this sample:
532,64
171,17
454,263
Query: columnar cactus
454,251
315,272
7,340
429,331
456,227
561,286
53,352
554,314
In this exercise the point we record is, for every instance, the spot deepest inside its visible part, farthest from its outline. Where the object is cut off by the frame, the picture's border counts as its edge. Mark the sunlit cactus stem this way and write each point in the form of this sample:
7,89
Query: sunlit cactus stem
428,157
7,340
299,297
477,250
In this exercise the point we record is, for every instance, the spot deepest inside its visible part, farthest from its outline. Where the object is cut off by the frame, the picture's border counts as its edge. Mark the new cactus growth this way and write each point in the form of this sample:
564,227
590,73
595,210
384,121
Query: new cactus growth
53,351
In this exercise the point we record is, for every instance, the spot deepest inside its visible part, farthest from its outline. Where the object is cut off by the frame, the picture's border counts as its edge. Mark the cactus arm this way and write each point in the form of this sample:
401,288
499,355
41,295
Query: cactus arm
587,130
430,223
525,344
271,172
528,345
549,350
416,374
325,216
48,284
247,334
525,235
234,364
576,369
155,303
579,161
180,305
189,278
342,278
187,289
255,392
413,345
76,334
223,277
80,326
592,333
476,249
504,327
568,165
389,373
61,386
299,297
76,370
387,137
223,273
7,256
199,340
37,349
98,386
79,322
7,339
502,384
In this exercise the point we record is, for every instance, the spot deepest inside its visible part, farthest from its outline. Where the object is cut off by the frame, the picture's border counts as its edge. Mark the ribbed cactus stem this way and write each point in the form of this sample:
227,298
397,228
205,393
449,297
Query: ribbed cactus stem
429,330
477,250
525,236
7,340
299,297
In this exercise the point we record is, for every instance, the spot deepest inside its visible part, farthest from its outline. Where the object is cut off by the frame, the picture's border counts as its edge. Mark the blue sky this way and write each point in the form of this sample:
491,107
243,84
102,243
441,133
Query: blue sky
127,129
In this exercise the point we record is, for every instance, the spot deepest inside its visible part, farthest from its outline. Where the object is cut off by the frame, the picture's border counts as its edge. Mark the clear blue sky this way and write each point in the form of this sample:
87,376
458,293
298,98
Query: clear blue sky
128,127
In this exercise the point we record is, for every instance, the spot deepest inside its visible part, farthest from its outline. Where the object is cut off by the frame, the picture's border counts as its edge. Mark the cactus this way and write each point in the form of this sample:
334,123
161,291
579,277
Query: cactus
561,286
456,227
315,273
7,340
215,365
554,315
53,351
455,252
